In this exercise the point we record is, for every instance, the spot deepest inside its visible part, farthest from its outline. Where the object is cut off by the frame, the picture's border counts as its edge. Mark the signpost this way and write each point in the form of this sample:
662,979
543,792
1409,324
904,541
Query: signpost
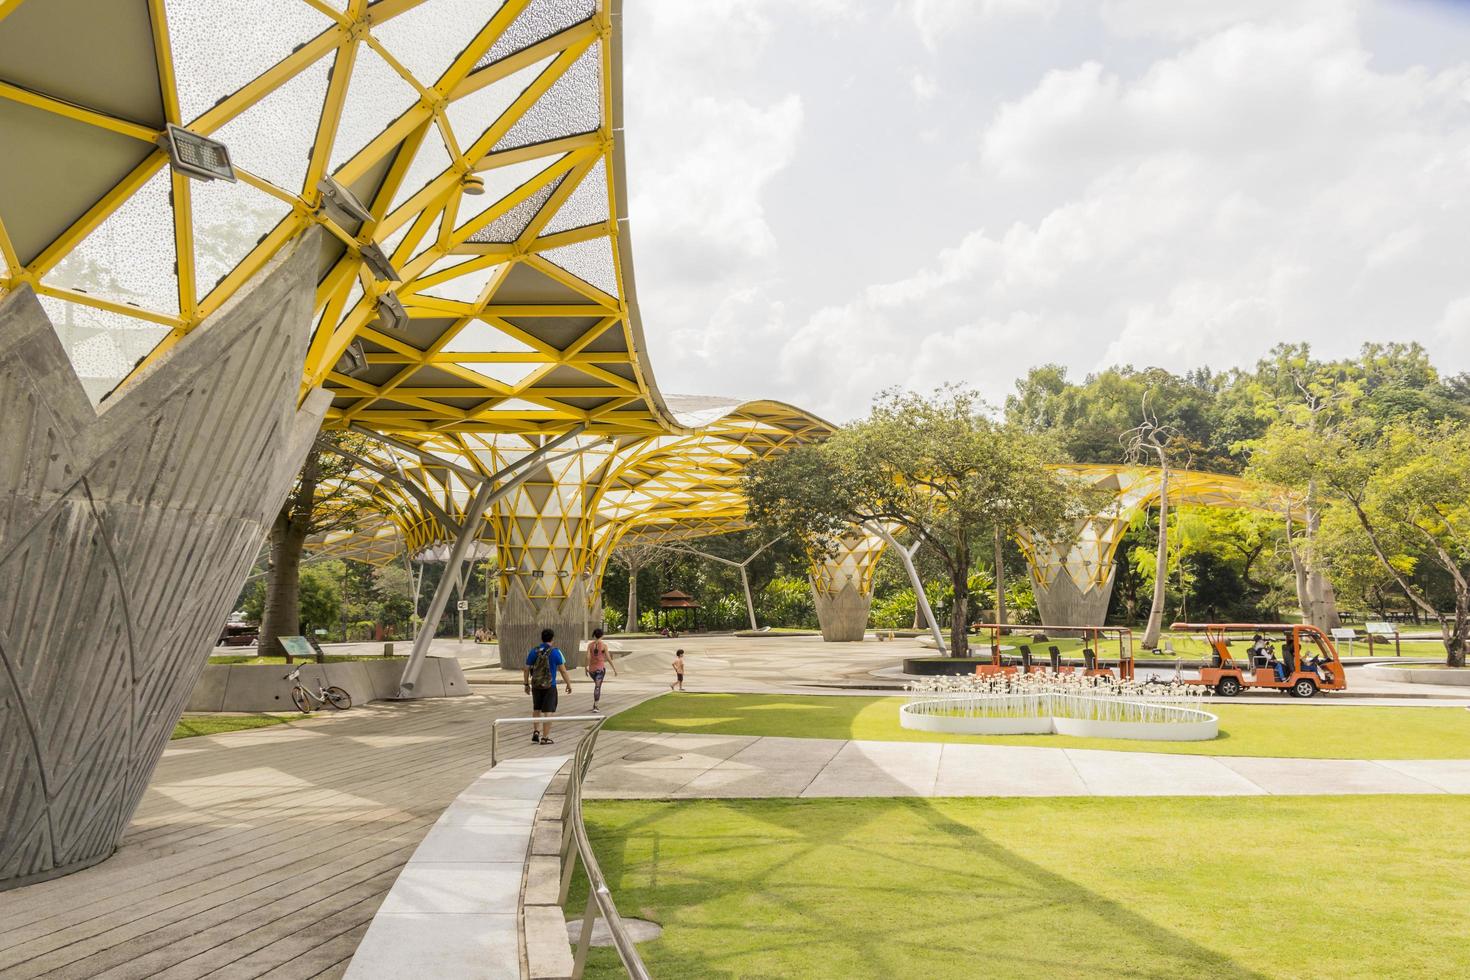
1383,631
1345,633
297,646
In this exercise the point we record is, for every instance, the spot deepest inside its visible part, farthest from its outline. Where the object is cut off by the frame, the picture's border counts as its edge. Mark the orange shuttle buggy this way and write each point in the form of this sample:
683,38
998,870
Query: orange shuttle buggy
1291,657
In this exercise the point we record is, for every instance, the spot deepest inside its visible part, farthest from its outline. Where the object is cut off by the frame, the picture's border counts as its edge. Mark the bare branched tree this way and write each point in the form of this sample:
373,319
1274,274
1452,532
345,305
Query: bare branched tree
1146,442
634,558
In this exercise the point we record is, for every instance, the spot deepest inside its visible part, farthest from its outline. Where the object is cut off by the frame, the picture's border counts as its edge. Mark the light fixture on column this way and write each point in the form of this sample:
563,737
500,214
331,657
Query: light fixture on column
197,156
353,362
343,204
392,317
472,185
378,263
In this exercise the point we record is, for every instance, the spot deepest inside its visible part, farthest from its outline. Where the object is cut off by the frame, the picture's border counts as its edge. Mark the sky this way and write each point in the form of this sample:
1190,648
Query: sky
832,197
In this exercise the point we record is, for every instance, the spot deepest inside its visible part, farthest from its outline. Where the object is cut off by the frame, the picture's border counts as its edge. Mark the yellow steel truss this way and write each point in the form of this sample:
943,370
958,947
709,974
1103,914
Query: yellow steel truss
520,317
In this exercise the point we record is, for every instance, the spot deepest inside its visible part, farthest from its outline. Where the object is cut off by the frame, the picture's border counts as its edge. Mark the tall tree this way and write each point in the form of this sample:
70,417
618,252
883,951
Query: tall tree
324,498
634,558
1151,441
939,466
1408,487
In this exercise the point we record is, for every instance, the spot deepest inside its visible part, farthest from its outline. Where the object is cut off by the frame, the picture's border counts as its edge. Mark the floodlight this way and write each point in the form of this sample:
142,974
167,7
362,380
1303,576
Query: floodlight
197,156
392,317
343,201
353,362
472,185
378,263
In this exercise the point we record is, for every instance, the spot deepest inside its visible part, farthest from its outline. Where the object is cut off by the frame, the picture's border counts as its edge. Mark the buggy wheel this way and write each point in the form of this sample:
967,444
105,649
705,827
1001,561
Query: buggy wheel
1304,688
339,698
299,698
1228,687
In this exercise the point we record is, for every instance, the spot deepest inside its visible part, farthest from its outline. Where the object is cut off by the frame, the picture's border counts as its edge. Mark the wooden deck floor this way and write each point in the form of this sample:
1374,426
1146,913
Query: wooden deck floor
266,853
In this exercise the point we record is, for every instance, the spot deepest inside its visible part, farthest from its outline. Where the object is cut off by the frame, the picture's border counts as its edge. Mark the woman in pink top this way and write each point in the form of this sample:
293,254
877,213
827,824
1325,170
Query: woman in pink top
598,661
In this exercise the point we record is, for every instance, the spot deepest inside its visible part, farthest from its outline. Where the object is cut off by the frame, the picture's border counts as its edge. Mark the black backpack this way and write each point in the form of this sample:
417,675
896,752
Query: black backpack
541,674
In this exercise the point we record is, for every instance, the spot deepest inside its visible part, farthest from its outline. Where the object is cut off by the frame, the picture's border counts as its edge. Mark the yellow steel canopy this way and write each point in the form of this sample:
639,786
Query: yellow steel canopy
521,312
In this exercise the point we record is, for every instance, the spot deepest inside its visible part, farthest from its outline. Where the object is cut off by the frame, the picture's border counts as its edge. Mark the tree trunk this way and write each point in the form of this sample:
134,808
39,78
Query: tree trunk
999,580
1457,639
959,618
1320,595
282,615
632,625
1155,626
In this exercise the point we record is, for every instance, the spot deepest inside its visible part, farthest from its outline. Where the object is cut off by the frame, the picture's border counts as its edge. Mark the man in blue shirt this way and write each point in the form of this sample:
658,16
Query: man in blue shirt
539,676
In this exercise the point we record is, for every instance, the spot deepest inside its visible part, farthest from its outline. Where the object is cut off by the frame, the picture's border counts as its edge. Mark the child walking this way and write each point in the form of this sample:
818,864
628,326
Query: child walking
678,684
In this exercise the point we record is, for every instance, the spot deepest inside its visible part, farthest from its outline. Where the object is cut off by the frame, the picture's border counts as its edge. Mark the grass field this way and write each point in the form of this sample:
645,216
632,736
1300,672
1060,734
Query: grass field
1165,887
1315,731
209,724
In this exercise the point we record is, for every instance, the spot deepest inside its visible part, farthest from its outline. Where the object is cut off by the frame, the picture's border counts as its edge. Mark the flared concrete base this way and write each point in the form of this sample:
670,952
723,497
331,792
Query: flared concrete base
523,617
1063,604
125,533
843,616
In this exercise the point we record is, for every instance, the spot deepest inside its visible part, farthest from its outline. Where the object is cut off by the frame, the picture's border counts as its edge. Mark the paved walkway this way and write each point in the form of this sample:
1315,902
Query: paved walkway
266,853
640,765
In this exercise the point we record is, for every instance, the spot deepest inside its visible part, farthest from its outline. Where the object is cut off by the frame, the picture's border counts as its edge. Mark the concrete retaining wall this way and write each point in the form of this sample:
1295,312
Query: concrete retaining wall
263,687
1417,675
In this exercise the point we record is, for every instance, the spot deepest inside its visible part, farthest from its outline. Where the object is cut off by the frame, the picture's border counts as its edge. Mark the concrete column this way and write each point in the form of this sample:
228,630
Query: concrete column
125,535
842,587
1063,603
544,537
1073,583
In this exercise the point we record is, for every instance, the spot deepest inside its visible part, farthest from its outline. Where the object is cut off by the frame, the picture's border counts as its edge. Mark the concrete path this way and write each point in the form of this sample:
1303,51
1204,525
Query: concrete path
640,765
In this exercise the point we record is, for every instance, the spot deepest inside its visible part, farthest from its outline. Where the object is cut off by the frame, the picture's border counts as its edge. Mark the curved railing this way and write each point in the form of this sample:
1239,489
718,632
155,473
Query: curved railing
599,898
574,845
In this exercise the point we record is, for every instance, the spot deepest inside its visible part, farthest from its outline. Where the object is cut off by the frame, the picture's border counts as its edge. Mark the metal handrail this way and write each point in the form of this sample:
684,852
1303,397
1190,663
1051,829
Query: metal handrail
496,723
574,845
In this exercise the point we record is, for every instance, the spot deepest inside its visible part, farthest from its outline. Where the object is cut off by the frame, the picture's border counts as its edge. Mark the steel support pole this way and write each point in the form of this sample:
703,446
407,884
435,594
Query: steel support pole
741,565
749,602
908,564
485,495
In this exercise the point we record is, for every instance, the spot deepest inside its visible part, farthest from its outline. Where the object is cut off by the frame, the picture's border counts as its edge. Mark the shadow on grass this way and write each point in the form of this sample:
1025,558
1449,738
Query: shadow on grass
888,887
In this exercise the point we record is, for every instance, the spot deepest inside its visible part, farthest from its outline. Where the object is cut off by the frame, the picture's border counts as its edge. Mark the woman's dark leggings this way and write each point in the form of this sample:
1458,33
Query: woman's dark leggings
597,676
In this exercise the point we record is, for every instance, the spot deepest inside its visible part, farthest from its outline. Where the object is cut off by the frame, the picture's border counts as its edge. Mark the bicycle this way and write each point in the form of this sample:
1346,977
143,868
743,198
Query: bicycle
303,697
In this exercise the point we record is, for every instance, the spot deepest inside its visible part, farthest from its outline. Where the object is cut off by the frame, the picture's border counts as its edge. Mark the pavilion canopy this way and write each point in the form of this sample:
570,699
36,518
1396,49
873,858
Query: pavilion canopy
520,310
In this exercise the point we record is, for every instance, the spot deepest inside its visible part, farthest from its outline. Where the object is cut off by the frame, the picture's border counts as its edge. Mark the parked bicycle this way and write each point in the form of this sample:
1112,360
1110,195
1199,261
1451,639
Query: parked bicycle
306,700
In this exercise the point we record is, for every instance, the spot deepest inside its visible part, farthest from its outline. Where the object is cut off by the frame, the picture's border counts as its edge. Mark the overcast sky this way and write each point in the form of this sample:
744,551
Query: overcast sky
829,197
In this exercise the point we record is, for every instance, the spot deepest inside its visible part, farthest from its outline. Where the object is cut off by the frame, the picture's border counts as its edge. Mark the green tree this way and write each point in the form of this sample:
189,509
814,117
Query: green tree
324,498
940,467
1408,486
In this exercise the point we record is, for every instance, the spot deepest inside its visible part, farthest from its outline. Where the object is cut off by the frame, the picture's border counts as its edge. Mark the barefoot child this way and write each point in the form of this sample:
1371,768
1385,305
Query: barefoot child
678,671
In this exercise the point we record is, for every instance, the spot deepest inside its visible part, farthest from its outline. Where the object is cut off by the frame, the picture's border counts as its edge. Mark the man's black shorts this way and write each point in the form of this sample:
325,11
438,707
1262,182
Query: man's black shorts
543,699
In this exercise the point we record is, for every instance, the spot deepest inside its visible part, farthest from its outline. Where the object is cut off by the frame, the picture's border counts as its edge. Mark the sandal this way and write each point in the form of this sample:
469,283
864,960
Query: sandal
547,741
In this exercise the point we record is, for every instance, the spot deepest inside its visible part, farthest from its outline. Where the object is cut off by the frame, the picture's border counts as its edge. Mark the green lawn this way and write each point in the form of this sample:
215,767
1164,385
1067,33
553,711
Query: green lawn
1234,887
210,724
1305,731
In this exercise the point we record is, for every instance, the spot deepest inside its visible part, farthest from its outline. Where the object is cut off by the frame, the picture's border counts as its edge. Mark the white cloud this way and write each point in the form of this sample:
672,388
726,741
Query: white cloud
1262,185
936,18
1261,180
925,86
1184,19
